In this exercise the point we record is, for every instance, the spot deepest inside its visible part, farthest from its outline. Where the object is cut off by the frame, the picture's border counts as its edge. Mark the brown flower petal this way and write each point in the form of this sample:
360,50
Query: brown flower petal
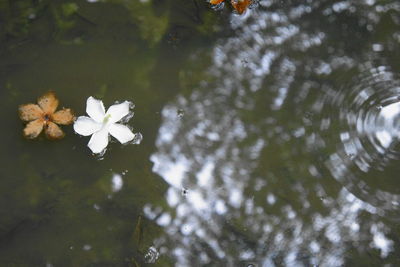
48,102
215,2
33,129
240,5
30,112
53,131
63,117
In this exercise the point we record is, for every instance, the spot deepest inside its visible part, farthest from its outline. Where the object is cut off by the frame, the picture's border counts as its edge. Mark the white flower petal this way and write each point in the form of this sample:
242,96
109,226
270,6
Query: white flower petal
122,133
118,111
99,141
86,126
95,109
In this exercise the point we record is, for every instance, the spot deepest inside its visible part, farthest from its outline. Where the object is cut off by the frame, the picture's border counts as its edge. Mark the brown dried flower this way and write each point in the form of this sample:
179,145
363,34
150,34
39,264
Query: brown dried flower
239,5
44,116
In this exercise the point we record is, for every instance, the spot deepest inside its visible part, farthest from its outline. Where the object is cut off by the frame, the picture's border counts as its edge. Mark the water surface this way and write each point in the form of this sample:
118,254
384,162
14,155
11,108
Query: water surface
270,138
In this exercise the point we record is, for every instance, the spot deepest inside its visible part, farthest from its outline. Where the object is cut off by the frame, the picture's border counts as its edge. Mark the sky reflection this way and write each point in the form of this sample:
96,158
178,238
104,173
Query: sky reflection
252,150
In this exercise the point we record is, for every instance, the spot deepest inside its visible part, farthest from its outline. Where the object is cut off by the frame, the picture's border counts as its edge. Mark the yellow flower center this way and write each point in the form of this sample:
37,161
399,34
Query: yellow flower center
106,118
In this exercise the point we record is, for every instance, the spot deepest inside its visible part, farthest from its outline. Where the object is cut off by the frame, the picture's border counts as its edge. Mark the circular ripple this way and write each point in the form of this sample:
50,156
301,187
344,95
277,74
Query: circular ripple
363,154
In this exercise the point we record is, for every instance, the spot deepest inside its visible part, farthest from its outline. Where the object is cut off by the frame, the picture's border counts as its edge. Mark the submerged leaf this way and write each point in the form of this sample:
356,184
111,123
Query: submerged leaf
69,9
138,233
135,262
29,112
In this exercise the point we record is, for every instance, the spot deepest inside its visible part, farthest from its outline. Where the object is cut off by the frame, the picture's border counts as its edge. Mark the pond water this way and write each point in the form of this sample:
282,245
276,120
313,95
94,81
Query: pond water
270,138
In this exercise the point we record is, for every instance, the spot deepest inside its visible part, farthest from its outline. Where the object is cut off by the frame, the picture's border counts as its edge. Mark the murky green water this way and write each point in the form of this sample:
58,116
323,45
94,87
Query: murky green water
269,139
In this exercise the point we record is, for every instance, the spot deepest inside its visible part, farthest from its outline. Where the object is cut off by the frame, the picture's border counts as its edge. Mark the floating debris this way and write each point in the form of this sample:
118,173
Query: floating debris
138,232
100,124
239,5
44,116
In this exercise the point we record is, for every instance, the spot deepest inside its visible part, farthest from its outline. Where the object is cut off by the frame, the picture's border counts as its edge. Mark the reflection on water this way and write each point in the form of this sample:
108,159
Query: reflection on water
368,113
299,99
271,138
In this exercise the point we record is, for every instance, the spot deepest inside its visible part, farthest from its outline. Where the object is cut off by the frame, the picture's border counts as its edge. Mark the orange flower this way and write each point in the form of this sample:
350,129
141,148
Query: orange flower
239,5
216,2
44,116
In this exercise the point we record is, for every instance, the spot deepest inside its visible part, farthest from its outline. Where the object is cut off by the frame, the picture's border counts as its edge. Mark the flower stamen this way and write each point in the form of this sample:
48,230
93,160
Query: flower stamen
106,118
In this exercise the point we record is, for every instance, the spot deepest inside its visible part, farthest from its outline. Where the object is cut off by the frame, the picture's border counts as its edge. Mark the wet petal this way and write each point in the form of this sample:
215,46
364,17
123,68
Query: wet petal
118,111
33,129
122,133
48,102
63,117
240,5
86,126
216,2
95,109
30,112
99,141
53,131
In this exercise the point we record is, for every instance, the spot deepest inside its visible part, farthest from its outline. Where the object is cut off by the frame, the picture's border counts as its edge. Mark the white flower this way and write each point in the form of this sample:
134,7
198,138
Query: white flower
100,123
